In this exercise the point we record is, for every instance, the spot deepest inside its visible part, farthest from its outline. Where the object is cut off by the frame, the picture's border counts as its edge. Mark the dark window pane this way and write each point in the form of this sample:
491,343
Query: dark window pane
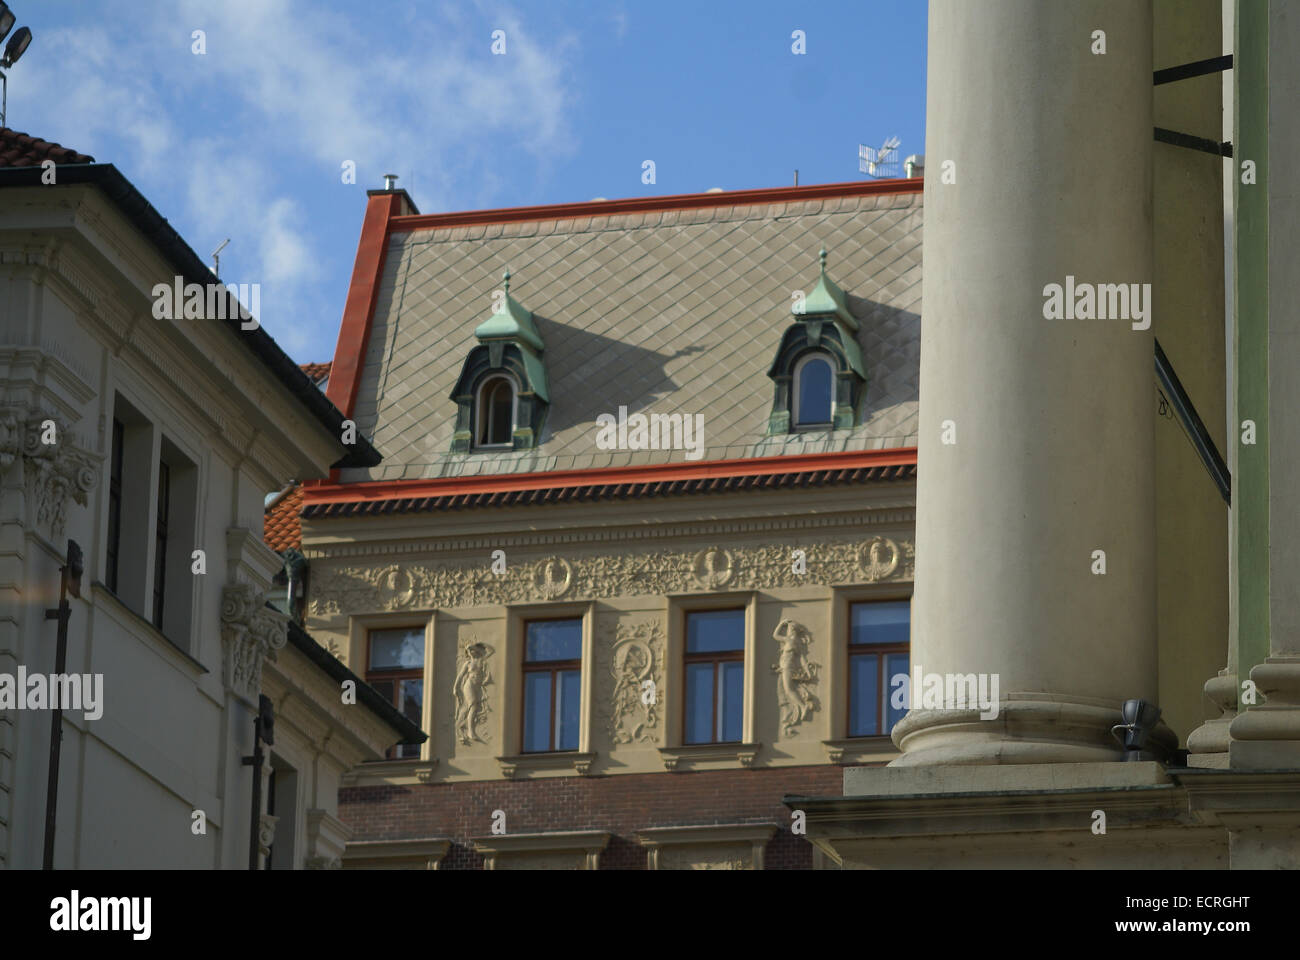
537,711
497,410
115,507
895,684
815,392
713,631
160,543
554,640
731,700
699,702
411,702
880,622
384,688
569,694
401,649
864,684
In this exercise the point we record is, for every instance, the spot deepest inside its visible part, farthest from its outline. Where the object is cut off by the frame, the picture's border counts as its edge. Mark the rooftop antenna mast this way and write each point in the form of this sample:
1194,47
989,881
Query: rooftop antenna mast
216,258
879,164
13,50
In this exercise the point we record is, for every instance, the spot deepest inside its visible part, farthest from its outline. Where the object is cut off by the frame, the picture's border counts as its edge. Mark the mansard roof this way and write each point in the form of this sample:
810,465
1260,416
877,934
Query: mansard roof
667,305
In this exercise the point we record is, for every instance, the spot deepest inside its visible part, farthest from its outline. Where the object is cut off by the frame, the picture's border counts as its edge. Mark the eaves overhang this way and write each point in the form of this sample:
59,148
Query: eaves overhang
156,229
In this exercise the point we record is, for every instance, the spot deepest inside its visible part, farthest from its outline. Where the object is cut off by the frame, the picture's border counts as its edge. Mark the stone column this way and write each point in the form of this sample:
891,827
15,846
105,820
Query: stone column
1049,147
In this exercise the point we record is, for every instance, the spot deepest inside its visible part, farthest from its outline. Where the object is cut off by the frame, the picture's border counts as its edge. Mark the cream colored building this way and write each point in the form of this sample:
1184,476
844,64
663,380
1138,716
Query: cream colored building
152,444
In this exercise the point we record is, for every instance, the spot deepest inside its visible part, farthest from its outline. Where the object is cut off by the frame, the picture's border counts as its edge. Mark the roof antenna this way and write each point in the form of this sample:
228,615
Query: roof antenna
796,178
216,258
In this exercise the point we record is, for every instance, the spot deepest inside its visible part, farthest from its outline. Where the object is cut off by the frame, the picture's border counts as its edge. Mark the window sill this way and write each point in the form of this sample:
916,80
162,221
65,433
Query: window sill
860,749
724,846
559,760
419,854
376,772
741,753
563,850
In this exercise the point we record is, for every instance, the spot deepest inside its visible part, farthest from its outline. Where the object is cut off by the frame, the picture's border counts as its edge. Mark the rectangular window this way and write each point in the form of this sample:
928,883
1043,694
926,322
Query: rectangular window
115,506
395,668
715,676
160,543
879,644
552,685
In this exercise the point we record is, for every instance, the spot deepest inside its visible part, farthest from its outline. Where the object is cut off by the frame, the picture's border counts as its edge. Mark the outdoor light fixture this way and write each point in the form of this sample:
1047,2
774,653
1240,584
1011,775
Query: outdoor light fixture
13,50
1140,719
16,45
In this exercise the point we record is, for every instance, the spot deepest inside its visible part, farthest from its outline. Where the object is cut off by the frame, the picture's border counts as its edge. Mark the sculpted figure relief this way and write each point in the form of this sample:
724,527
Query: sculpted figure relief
472,679
796,673
634,712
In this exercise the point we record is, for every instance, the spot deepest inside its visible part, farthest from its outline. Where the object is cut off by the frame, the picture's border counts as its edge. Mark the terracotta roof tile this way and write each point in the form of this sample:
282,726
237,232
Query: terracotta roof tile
281,526
20,150
317,371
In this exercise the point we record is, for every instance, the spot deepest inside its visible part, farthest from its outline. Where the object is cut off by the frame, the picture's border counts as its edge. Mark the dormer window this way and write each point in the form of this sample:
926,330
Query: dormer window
502,393
496,412
814,380
818,375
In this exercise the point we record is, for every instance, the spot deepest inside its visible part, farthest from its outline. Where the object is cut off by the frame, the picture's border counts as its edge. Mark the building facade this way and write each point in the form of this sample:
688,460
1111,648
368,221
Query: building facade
150,441
640,550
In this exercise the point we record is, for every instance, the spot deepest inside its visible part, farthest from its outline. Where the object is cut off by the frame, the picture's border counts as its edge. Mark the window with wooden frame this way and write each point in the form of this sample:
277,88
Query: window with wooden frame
879,652
395,668
160,542
115,507
497,402
552,685
714,663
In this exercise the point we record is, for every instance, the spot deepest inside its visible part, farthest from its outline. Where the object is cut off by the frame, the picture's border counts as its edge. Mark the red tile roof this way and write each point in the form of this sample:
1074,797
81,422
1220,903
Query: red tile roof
317,371
281,527
20,150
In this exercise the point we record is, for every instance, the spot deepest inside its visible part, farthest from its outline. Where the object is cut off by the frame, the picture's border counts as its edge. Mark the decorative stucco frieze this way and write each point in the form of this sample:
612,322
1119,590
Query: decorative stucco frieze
796,675
633,681
473,677
422,584
251,632
53,468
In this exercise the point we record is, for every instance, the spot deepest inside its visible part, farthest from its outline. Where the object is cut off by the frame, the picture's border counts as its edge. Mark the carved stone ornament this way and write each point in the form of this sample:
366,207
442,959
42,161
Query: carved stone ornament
796,673
250,633
54,471
266,833
552,577
635,685
359,588
322,863
472,681
879,558
713,567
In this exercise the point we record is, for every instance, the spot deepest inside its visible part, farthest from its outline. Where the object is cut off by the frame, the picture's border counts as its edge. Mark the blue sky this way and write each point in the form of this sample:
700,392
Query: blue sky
248,140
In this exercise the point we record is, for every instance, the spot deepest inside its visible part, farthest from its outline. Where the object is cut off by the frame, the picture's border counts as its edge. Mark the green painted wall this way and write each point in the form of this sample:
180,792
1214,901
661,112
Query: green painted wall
1250,278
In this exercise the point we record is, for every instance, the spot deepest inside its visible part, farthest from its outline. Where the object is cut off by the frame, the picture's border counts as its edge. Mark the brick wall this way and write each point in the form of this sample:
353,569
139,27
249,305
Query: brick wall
621,804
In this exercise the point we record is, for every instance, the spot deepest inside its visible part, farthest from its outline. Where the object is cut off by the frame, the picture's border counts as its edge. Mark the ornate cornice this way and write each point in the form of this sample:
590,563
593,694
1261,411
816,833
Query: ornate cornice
897,513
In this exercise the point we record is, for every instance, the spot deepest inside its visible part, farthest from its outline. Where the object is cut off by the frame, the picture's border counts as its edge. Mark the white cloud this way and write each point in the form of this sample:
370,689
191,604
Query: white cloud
287,91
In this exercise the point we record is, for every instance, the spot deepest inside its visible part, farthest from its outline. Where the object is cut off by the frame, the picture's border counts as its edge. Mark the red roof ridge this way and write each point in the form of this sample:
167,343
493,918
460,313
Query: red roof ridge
680,201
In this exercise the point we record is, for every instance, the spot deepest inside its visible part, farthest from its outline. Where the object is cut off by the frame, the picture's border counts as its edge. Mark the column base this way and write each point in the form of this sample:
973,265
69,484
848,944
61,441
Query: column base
1267,736
1029,728
1207,745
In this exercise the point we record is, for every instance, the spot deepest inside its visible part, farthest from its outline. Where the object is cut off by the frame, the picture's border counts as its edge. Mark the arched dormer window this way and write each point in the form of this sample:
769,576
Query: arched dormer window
495,417
502,394
814,386
817,374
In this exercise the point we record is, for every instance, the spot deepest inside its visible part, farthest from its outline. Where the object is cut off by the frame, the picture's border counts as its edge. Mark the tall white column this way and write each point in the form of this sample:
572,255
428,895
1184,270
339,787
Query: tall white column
1048,145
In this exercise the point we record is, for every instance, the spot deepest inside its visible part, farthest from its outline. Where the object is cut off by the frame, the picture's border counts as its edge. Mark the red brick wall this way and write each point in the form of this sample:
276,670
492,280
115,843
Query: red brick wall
620,804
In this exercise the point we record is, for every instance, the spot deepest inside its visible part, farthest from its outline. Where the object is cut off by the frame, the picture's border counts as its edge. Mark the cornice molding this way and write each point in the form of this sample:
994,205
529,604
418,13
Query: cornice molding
901,513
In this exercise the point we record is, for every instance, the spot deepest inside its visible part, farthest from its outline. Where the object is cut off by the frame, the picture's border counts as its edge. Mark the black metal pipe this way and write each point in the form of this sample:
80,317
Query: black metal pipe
1200,436
1193,142
1197,68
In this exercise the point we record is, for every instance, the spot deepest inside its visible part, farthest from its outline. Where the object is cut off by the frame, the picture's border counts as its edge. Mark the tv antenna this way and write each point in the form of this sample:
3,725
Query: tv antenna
216,258
879,164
